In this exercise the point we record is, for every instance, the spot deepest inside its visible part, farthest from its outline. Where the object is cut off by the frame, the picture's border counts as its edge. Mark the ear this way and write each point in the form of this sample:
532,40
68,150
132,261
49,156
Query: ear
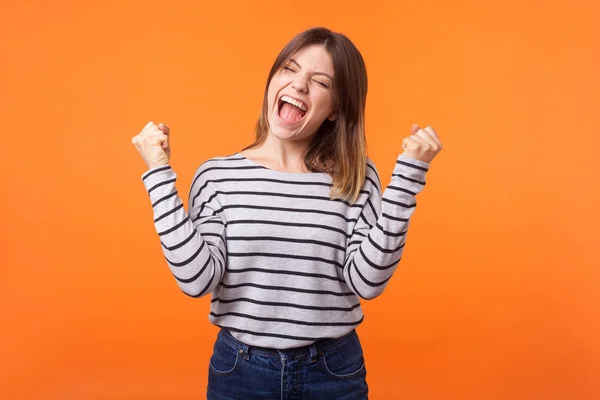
331,116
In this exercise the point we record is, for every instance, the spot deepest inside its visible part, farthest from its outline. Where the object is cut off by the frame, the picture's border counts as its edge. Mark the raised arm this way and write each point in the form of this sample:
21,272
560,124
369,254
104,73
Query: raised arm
379,236
193,244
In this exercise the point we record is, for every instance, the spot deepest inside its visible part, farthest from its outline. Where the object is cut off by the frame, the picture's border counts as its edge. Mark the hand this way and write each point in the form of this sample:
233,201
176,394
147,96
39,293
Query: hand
153,144
422,144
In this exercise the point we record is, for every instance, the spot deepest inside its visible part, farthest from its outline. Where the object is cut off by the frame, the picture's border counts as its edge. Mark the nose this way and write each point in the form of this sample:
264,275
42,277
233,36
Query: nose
300,84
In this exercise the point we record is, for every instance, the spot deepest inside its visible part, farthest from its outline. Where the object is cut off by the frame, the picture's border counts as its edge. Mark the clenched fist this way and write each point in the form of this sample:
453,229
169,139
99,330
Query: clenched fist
153,144
422,144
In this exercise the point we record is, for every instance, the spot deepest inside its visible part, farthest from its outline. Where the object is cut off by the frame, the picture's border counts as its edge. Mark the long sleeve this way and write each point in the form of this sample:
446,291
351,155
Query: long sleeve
377,242
194,244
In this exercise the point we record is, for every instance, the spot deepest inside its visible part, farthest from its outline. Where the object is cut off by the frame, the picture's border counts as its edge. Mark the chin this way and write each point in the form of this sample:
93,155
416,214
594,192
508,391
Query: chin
283,134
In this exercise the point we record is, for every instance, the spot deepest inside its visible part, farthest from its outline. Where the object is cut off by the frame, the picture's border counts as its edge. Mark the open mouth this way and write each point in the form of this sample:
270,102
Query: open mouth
291,110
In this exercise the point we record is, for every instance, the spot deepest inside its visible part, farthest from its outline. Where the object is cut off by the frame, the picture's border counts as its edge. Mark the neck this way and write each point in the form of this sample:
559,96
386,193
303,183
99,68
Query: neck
285,155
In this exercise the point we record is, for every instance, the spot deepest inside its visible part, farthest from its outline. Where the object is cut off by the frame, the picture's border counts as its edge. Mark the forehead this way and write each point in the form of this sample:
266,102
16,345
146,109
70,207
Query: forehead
314,57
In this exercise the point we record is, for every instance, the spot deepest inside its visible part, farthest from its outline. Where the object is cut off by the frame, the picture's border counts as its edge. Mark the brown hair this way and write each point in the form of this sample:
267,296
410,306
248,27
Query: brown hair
339,147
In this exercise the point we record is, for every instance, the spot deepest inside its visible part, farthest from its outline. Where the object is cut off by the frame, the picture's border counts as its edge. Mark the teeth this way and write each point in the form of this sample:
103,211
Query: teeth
294,102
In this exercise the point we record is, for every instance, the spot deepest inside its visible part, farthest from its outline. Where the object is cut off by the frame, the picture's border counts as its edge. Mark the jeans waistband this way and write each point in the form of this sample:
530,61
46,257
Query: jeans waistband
312,350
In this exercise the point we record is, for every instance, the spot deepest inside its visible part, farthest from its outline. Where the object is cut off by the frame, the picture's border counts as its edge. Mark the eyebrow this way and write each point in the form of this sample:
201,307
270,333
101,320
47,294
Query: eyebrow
315,73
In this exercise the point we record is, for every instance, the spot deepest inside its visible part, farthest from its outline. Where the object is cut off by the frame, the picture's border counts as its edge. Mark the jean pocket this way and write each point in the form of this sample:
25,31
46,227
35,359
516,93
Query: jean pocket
224,358
345,359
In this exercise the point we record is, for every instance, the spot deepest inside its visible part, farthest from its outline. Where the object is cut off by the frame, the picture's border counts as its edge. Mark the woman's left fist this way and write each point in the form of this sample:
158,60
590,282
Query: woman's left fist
422,144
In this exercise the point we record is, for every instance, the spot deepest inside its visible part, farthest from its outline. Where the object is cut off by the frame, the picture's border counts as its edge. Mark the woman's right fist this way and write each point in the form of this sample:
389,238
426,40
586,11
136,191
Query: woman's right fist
153,144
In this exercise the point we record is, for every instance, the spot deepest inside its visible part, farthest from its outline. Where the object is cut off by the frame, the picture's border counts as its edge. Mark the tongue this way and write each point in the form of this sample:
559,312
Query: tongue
290,113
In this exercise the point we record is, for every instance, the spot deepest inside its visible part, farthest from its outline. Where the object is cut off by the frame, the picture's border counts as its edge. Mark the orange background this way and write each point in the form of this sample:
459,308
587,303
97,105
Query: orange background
498,294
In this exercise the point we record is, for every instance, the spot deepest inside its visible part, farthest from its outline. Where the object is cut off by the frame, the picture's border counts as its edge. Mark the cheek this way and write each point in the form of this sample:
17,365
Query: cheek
325,103
272,91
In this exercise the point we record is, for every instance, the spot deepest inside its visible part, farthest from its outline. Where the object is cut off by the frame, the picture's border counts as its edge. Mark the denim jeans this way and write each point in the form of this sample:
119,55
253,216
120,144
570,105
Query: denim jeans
328,369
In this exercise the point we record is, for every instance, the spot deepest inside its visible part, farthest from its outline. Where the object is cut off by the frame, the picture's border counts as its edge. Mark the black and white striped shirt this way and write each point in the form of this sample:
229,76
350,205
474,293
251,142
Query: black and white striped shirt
285,264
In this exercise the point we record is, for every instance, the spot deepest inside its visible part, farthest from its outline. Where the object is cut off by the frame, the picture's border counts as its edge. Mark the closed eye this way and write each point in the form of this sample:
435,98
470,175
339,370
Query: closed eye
322,84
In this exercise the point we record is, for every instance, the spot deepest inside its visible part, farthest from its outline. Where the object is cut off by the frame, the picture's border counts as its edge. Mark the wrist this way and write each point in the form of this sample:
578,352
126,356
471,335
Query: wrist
157,165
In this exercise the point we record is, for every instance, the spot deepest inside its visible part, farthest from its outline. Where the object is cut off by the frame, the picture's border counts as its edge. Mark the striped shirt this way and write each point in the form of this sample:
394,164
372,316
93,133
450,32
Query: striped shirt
285,264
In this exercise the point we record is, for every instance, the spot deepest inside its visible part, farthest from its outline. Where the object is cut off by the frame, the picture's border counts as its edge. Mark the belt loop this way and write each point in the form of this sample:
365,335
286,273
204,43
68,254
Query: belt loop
313,352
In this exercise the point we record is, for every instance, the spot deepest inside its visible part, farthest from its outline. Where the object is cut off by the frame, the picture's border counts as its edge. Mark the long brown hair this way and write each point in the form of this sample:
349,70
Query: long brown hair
339,147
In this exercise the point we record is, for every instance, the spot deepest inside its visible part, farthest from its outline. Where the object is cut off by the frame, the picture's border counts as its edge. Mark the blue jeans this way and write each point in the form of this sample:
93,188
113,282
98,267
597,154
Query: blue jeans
329,369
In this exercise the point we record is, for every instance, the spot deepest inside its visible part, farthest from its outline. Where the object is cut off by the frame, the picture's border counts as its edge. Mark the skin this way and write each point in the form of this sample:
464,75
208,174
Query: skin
422,144
308,78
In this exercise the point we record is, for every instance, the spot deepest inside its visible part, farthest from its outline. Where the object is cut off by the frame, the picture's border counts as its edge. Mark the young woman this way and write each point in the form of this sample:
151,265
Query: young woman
291,232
